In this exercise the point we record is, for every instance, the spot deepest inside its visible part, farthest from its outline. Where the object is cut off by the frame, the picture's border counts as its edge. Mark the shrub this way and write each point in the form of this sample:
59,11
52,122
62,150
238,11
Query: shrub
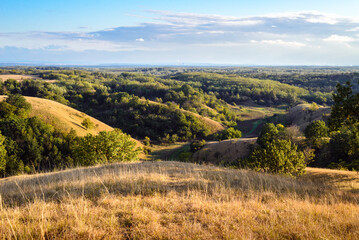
87,123
229,133
197,145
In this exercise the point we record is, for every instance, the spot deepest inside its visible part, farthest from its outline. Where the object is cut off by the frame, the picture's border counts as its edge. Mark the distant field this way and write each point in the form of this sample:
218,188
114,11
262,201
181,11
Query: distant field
19,77
173,200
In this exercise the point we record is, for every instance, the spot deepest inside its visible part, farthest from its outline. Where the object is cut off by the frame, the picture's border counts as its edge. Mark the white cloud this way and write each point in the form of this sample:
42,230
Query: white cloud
305,34
355,29
339,39
280,42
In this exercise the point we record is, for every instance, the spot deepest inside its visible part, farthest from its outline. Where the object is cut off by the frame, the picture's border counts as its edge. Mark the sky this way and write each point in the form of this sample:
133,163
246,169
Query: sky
226,32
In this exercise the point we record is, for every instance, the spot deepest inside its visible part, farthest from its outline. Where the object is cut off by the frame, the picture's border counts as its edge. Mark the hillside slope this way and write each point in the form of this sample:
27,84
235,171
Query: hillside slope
302,115
226,151
173,200
62,116
211,125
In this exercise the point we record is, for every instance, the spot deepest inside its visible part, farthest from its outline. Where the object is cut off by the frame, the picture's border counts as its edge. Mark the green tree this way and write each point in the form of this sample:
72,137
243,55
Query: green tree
315,131
268,133
344,148
106,147
3,155
345,110
18,101
197,145
279,157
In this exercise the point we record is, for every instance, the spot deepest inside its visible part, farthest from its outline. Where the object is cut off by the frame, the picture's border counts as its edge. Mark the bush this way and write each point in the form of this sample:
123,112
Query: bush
87,123
197,145
229,133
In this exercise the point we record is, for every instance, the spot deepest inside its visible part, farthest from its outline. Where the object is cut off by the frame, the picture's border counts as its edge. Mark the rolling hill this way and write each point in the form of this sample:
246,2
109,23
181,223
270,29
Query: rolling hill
303,114
224,151
63,117
173,200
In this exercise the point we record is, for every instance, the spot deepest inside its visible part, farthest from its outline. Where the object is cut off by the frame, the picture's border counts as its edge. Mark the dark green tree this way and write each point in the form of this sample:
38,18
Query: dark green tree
344,148
345,110
279,157
268,133
3,155
315,131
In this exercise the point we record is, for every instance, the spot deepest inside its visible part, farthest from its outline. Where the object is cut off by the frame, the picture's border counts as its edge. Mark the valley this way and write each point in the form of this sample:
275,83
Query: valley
195,153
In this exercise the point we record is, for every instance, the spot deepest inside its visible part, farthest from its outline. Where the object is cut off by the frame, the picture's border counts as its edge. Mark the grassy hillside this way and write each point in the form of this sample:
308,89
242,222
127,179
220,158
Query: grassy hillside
172,200
62,116
225,151
17,77
303,114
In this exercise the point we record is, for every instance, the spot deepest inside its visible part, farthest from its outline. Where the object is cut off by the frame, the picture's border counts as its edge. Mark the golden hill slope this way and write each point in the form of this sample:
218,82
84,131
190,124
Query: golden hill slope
173,200
63,117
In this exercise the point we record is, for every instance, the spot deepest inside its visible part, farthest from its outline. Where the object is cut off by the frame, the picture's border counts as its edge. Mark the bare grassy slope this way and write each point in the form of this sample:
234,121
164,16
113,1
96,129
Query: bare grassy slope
62,116
224,151
301,115
172,200
17,77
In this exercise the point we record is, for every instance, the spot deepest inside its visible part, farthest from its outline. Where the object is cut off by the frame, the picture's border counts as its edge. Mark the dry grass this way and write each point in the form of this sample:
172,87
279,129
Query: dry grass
21,77
226,151
172,200
346,180
302,116
64,117
17,77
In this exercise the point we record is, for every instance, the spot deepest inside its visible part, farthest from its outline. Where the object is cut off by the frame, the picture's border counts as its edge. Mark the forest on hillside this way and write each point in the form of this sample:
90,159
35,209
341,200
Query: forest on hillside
164,105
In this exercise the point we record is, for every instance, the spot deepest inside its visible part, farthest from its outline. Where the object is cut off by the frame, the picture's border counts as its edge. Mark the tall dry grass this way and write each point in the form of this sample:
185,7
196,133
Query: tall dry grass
172,200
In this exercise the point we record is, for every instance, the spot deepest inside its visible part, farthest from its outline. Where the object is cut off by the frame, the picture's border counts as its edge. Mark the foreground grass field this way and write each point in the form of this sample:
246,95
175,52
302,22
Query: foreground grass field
173,200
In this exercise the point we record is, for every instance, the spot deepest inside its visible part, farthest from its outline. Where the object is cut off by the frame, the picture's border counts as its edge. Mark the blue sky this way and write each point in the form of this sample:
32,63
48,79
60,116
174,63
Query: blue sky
261,32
